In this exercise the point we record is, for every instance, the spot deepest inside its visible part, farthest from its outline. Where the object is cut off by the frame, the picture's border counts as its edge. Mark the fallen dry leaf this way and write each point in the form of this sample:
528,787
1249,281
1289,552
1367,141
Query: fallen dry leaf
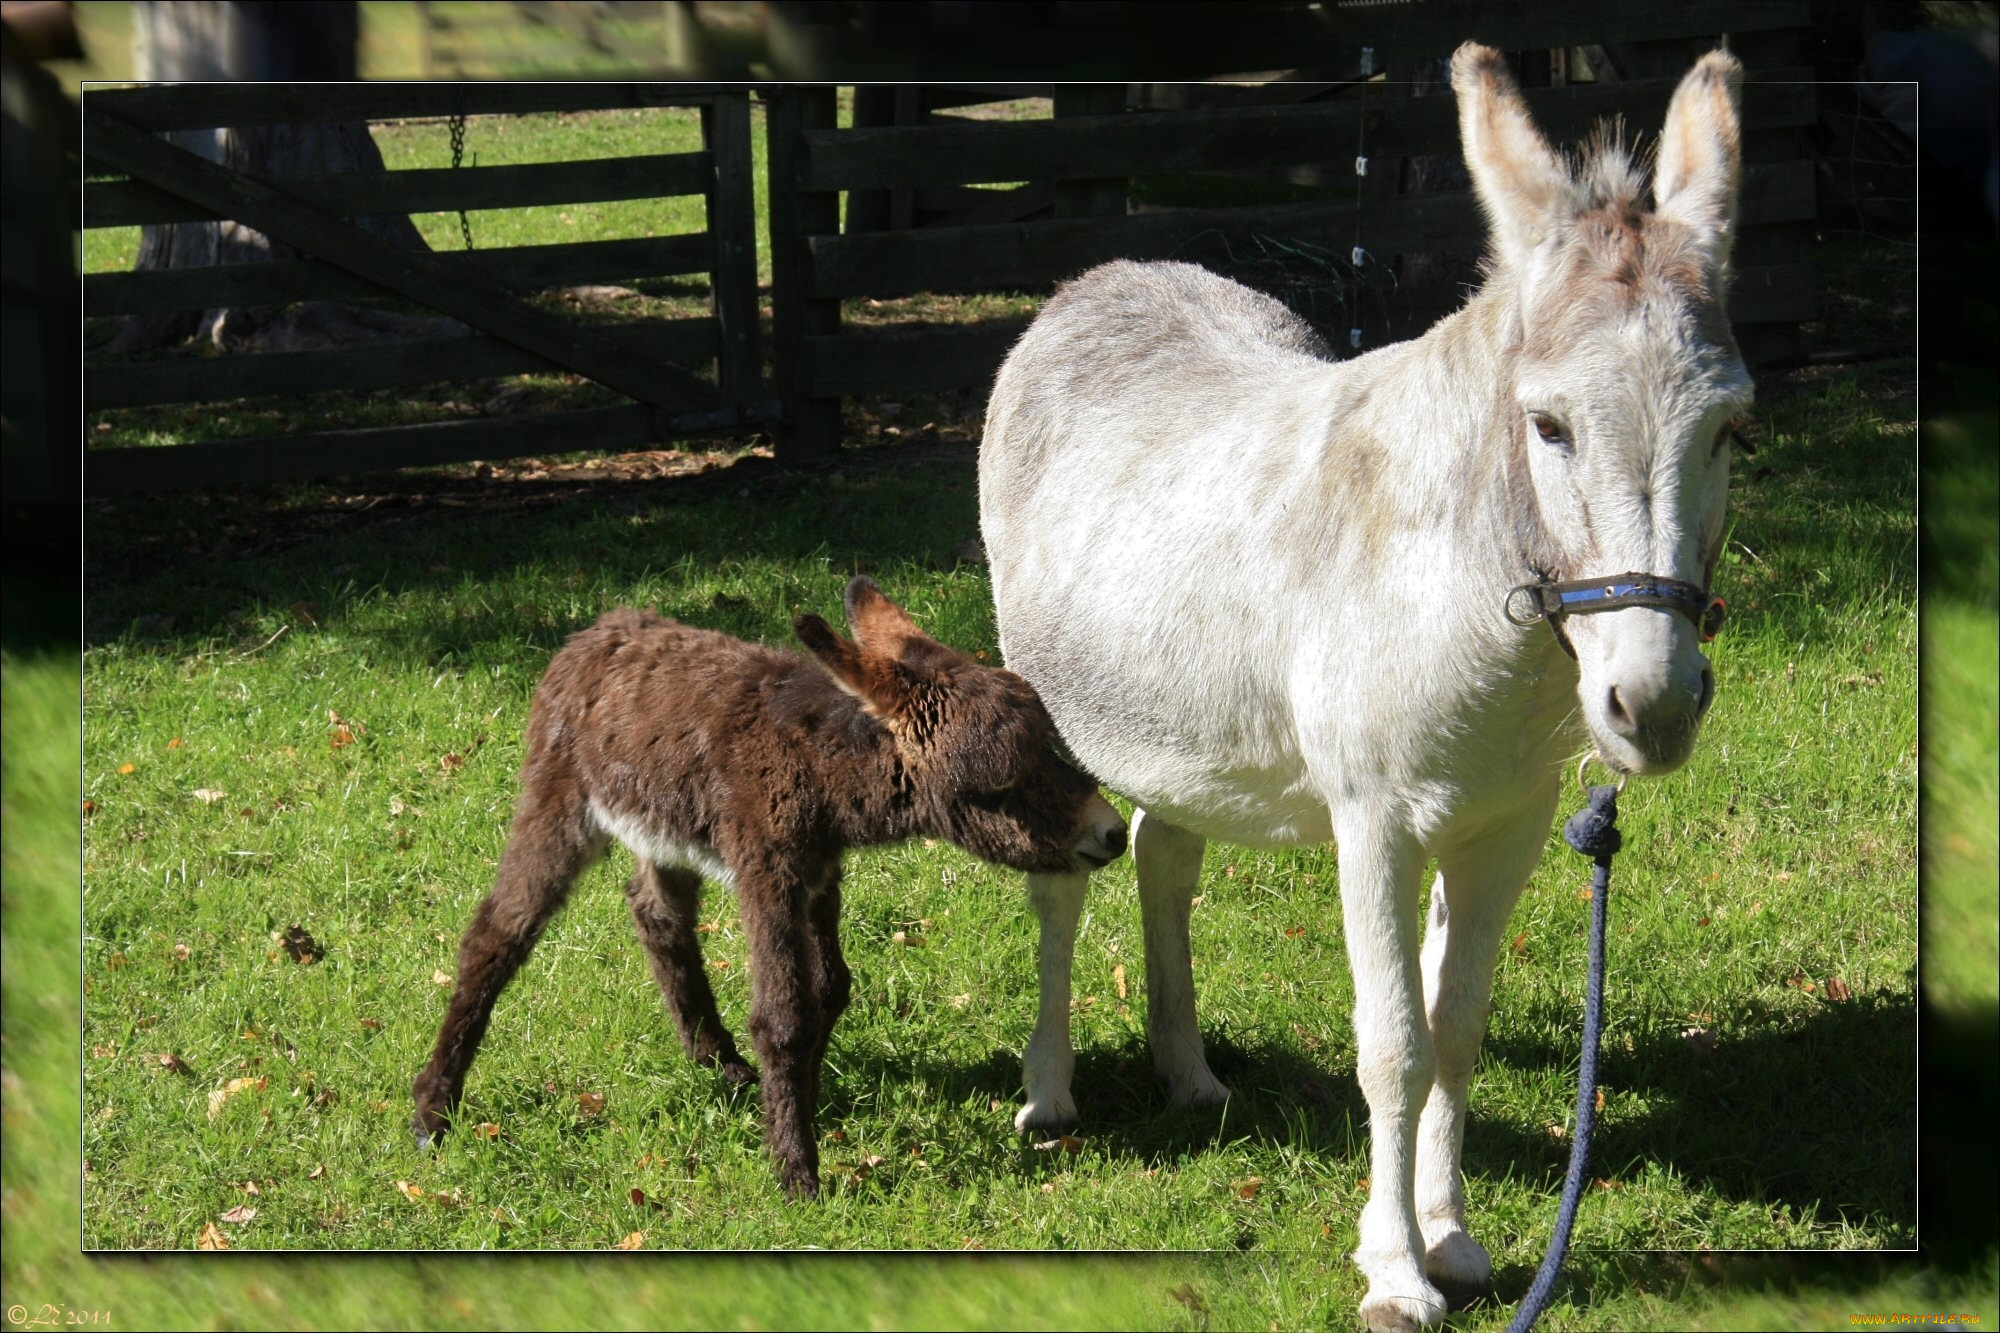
1556,1131
169,1061
1701,1039
89,809
176,744
414,1193
1519,948
452,763
590,1103
1188,1296
241,1213
221,1096
486,1130
635,1240
104,1052
343,735
316,1172
181,952
907,939
372,1024
1118,980
439,977
128,768
960,1001
211,1238
1247,1189
1836,989
249,1187
1295,932
1600,1099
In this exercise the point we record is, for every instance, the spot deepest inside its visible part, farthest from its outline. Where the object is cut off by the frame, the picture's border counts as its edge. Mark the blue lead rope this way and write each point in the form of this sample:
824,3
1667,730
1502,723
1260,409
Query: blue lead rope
1592,831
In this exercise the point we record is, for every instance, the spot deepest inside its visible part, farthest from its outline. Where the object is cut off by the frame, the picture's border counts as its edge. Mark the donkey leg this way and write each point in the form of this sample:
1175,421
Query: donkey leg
1381,867
784,1021
666,906
1050,1059
552,840
1470,904
1168,859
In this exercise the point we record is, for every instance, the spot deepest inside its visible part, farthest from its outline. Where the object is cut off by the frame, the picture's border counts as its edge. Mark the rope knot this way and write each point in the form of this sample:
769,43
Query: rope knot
1593,830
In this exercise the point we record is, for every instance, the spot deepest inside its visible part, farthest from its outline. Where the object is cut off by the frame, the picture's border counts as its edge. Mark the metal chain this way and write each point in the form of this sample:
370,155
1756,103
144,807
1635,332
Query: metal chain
458,160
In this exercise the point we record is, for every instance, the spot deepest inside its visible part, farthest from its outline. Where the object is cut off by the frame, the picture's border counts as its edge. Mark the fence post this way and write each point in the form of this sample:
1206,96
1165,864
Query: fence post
811,429
1097,197
732,229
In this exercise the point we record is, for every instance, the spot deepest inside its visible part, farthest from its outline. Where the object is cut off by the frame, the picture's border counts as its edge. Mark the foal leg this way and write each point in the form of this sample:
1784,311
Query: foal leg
832,981
1474,895
1168,859
1050,1059
553,839
666,907
1381,866
784,1019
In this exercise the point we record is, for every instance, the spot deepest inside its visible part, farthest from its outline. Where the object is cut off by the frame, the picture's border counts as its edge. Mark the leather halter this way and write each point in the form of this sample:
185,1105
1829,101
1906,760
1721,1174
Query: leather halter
1554,602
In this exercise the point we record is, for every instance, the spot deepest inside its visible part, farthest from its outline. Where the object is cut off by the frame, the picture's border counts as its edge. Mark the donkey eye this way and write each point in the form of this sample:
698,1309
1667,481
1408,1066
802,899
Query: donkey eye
1737,431
1553,433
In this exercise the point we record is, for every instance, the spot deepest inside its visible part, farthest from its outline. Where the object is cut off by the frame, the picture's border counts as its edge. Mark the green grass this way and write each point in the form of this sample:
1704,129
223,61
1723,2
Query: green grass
1784,860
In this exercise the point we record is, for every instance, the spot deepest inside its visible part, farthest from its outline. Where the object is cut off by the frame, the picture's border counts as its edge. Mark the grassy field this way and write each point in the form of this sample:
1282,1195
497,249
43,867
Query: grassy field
303,708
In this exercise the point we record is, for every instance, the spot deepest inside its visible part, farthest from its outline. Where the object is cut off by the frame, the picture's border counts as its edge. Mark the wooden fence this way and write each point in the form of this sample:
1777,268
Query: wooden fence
652,362
1073,198
1345,150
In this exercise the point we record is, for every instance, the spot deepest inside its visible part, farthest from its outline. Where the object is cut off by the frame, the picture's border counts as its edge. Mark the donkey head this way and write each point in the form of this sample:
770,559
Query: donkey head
1625,377
977,746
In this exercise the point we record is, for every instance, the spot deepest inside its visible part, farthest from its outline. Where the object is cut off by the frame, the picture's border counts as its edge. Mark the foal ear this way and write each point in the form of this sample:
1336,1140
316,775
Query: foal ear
873,679
878,623
1701,153
1527,192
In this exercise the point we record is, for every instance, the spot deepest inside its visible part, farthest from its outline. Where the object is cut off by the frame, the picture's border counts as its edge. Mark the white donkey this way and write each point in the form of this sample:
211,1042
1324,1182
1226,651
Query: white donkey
1276,599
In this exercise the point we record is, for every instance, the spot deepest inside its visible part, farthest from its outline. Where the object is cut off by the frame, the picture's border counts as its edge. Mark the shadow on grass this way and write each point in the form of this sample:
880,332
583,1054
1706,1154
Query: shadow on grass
1817,1116
172,573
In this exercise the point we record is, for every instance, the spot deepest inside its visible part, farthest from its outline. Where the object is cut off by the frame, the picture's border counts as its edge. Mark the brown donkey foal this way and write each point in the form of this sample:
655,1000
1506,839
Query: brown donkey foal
708,756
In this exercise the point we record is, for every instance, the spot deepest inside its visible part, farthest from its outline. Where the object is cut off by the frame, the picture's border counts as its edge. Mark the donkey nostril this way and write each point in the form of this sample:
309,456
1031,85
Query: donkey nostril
1707,690
1615,706
1114,842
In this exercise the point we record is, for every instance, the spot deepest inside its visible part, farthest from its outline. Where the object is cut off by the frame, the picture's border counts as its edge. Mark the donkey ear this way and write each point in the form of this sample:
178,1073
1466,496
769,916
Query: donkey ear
878,623
1701,153
869,677
1527,192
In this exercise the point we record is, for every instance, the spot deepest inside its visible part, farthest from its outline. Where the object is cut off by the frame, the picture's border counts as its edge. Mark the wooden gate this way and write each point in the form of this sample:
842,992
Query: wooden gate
685,376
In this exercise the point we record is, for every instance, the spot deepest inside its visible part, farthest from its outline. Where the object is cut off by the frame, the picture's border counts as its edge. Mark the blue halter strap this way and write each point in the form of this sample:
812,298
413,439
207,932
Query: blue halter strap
1555,602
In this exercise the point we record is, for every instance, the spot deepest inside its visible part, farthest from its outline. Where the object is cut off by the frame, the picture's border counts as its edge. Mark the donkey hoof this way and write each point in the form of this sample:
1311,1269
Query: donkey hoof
1460,1268
737,1073
1402,1314
1196,1088
1054,1115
